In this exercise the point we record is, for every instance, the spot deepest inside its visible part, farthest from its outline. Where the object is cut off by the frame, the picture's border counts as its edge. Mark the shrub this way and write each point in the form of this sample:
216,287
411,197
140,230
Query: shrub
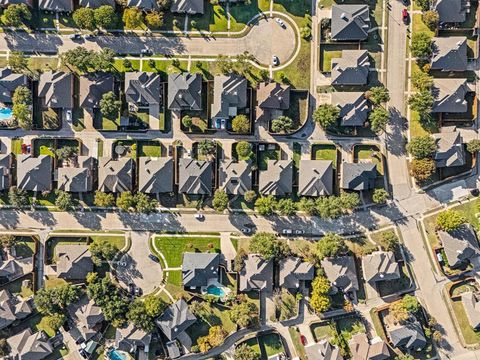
449,220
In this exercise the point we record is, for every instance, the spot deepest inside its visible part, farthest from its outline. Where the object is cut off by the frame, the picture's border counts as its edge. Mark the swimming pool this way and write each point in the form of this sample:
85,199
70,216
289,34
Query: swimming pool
217,291
5,113
115,355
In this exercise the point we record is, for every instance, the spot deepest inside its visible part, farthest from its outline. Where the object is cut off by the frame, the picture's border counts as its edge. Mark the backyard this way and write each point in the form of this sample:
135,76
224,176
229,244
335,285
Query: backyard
321,330
24,246
369,153
49,146
265,155
325,152
266,345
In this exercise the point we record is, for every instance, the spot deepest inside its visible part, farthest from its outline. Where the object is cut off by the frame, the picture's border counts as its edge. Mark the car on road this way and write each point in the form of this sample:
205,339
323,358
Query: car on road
153,257
246,230
146,51
287,232
88,36
199,217
405,16
281,23
68,116
75,36
138,291
275,60
299,232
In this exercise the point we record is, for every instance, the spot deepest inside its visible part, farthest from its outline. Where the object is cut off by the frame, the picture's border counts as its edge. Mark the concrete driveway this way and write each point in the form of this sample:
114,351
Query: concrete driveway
139,269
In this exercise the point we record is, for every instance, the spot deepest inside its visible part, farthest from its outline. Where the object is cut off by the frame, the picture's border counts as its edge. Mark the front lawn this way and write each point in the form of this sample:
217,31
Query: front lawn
55,241
24,246
117,241
297,343
174,277
325,152
470,336
120,66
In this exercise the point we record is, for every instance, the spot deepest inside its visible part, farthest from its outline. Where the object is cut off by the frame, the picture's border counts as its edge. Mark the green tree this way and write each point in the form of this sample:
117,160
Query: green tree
389,241
378,95
79,58
286,207
331,245
16,14
144,203
473,146
66,152
7,241
398,311
103,60
103,199
421,147
306,32
348,200
421,46
138,315
127,64
282,124
421,80
422,169
207,147
241,124
268,246
50,301
449,220
326,115
307,205
109,105
55,321
220,200
421,102
23,116
101,251
84,18
154,305
411,304
319,299
243,314
245,352
380,196
5,349
154,19
22,95
249,196
187,122
431,19
132,18
379,118
64,200
244,150
17,197
405,356
328,207
17,61
126,201
105,17
265,205
223,65
424,4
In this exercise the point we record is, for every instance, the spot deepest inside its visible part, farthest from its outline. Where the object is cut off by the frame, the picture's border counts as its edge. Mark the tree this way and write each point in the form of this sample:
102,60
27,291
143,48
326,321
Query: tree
286,207
379,118
144,204
17,61
245,352
265,205
55,321
64,200
421,80
154,305
17,197
398,311
79,58
7,240
328,207
109,105
103,60
411,304
380,196
378,95
388,240
421,102
243,314
306,32
220,200
422,169
193,23
138,315
421,147
326,115
404,357
154,19
187,122
331,245
319,299
449,220
4,348
431,19
84,18
249,196
66,152
101,251
282,124
207,147
16,14
103,199
127,64
223,65
126,201
132,18
241,124
244,150
348,200
50,301
164,4
216,335
22,95
268,246
421,46
105,17
473,146
307,205
23,116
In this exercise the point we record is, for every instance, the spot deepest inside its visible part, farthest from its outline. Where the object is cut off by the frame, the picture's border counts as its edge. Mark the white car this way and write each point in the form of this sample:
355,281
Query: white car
280,22
287,231
246,230
199,216
68,116
299,232
275,60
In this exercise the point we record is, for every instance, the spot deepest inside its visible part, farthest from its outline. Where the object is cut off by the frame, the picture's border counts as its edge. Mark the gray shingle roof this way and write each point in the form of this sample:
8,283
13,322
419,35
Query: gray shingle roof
74,262
96,3
409,336
322,350
131,337
56,5
195,176
341,272
12,308
29,346
115,175
256,274
354,107
471,304
315,178
359,176
93,87
449,53
273,96
350,22
143,4
450,150
235,177
199,268
5,171
449,95
11,269
176,319
292,270
185,91
351,69
77,178
86,315
452,11
363,349
277,179
142,88
9,81
460,245
380,266
56,89
229,95
34,174
155,175
187,6
5,3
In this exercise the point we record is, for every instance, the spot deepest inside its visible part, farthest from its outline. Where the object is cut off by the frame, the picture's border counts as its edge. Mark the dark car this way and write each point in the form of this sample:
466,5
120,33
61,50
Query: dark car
153,257
131,288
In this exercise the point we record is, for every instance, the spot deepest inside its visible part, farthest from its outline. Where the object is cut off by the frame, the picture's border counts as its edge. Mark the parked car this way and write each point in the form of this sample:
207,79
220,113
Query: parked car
146,51
138,291
88,36
199,217
405,15
275,60
153,257
68,116
75,36
474,192
223,124
287,231
246,230
280,22
303,339
131,288
299,232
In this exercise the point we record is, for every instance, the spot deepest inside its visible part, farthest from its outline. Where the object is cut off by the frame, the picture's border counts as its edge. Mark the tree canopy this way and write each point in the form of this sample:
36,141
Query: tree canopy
421,147
331,245
268,246
326,115
449,220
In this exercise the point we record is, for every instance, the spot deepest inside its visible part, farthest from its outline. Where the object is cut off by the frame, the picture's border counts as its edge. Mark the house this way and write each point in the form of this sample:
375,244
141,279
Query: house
6,3
34,173
143,90
27,345
471,304
185,91
12,308
96,3
195,177
277,178
359,176
176,319
351,69
78,177
147,5
449,95
380,266
187,6
256,274
235,177
293,272
131,339
74,262
452,11
115,175
6,162
350,22
155,175
55,89
409,335
322,350
93,87
87,318
12,269
229,95
450,151
449,53
9,82
315,178
56,5
460,245
199,269
354,107
342,273
363,349
273,95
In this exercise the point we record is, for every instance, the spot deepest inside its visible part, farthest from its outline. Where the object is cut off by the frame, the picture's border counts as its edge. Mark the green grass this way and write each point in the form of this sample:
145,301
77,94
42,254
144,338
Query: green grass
100,148
43,64
17,146
43,147
175,277
52,282
370,153
378,236
419,26
297,343
150,148
43,326
325,152
297,73
272,343
117,241
165,67
47,199
360,246
24,246
118,64
174,247
469,335
327,57
321,330
253,343
264,156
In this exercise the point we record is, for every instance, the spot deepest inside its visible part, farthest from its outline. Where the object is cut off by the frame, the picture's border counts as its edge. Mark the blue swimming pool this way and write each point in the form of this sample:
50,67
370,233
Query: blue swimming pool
5,114
217,291
115,355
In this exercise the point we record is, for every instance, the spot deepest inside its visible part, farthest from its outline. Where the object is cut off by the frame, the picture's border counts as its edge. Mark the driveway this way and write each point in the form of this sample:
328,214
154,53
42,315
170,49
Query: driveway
139,269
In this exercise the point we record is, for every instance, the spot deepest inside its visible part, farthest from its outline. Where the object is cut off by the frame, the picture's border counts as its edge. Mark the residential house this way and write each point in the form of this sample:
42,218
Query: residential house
450,151
176,319
96,3
359,176
185,91
56,5
351,69
452,11
146,5
342,273
144,90
363,349
199,269
380,266
322,350
187,6
78,177
449,53
354,107
155,175
235,177
34,173
6,3
256,274
6,162
93,87
408,335
9,82
460,245
277,179
12,308
450,95
471,304
315,178
87,318
350,22
132,339
293,272
12,269
73,262
55,89
272,100
229,95
27,345
115,175
195,177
